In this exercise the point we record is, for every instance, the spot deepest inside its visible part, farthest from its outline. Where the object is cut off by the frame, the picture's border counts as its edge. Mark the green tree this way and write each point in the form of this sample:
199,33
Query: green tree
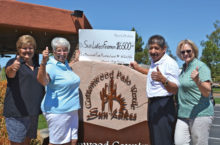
141,54
170,53
215,35
211,51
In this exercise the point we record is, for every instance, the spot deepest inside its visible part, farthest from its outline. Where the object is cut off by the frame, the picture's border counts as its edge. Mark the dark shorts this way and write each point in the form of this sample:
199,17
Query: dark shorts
20,128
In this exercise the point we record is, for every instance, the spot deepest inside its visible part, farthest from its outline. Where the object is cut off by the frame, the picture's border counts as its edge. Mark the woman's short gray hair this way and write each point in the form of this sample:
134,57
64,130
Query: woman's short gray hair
60,42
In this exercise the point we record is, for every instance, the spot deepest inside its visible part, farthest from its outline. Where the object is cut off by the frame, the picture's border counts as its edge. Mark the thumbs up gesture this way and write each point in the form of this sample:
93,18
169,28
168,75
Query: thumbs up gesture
195,74
157,75
45,54
16,64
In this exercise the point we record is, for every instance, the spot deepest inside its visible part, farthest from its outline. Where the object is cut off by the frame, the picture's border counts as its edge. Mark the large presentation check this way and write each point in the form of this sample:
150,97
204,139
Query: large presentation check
107,46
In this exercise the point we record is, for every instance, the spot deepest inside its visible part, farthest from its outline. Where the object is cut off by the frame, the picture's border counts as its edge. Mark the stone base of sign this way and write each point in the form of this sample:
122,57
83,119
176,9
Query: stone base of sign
92,134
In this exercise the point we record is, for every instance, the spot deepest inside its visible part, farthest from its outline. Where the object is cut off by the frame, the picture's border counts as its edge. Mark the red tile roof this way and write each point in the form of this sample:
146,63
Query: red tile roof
26,15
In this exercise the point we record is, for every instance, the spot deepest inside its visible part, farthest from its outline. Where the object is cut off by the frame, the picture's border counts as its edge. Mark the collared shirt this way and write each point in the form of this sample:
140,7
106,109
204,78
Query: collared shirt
169,69
24,93
190,100
62,92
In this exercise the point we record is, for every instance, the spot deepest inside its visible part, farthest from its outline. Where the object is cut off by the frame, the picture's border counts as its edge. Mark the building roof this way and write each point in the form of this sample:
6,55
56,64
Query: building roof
42,22
26,15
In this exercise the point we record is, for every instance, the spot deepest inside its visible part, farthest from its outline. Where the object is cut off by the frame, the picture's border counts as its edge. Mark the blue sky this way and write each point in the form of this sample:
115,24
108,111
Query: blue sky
174,19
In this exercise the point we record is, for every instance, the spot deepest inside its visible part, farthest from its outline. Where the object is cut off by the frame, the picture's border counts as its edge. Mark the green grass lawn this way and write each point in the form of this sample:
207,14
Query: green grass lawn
217,100
42,123
216,90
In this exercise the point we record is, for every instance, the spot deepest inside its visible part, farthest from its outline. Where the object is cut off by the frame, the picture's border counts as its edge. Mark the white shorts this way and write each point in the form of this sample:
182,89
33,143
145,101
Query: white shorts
62,127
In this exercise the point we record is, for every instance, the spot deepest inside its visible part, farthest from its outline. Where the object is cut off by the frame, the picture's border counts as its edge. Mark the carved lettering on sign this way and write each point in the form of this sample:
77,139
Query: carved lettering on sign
108,96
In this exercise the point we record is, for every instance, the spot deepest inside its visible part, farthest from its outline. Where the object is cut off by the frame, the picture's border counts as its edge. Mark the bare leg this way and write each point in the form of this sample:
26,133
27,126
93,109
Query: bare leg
15,143
73,142
26,142
60,144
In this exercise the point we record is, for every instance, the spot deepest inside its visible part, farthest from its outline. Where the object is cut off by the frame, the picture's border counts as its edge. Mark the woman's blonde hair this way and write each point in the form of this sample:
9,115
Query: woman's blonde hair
189,42
25,40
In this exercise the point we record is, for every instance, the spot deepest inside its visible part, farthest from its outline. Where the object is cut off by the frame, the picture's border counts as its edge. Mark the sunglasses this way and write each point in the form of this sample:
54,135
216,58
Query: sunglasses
185,51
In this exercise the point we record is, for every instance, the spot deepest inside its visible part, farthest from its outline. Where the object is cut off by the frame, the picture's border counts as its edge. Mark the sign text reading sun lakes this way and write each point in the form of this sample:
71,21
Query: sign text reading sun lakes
107,46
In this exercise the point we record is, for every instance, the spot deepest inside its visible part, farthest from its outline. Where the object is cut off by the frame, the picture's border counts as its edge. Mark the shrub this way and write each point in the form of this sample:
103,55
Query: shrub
3,132
2,74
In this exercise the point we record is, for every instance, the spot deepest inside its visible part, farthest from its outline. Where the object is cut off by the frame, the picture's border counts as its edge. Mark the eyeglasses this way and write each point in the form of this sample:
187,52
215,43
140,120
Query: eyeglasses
185,51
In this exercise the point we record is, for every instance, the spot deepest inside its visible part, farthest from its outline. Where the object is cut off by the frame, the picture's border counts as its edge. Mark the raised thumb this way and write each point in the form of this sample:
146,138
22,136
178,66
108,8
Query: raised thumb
18,58
197,68
158,69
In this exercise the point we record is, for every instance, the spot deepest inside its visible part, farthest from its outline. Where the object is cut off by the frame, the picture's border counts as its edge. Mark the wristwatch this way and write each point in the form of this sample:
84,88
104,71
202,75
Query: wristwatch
165,83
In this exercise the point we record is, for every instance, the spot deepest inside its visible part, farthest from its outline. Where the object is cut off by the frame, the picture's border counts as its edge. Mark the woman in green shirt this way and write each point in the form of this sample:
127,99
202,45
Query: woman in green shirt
195,109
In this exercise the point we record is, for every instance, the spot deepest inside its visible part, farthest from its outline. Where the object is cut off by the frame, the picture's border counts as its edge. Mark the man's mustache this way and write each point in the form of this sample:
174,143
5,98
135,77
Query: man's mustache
153,54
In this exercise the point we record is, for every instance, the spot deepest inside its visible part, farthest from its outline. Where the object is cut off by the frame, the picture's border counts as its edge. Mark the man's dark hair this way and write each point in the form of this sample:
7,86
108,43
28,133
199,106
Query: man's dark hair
157,39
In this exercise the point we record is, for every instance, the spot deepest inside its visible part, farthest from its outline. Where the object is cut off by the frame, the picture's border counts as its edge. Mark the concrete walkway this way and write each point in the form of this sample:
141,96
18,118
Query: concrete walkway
216,95
214,136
